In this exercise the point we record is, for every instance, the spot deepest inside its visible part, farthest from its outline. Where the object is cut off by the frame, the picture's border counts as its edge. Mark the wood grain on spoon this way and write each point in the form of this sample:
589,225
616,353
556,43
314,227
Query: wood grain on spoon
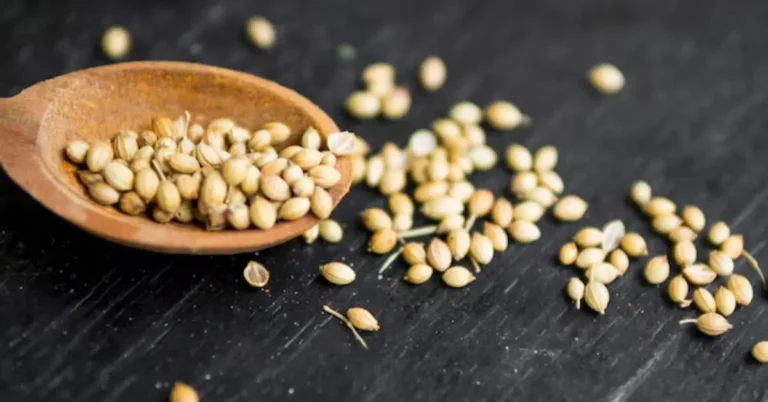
96,103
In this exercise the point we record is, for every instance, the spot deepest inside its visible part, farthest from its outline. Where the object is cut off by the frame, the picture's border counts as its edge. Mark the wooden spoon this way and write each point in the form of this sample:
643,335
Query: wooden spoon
37,124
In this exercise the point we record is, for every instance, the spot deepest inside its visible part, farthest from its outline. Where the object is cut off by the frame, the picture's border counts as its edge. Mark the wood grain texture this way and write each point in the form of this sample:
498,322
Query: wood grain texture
85,320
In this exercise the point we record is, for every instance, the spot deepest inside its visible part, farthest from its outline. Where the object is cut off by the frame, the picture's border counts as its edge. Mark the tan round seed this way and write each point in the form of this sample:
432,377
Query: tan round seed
119,176
457,277
168,197
570,208
741,289
431,190
524,231
207,155
656,270
699,274
606,78
76,151
116,43
725,301
418,273
303,187
481,248
684,253
545,158
161,216
449,223
438,254
132,204
311,139
634,245
720,263
414,253
432,73
640,192
402,222
733,246
294,208
325,176
146,183
678,291
396,104
681,233
619,259
213,190
704,300
483,157
575,290
540,195
503,115
363,105
274,188
589,256
305,159
551,180
400,203
529,211
497,235
358,170
393,181
439,207
694,218
719,232
145,153
260,32
568,253
602,272
183,393
523,182
362,319
237,215
589,237
291,174
375,219
596,296
502,212
466,113
760,351
480,203
458,241
263,214
711,324
321,203
331,231
256,274
519,158
382,241
138,165
186,212
337,273
461,190
312,234
98,156
659,206
664,224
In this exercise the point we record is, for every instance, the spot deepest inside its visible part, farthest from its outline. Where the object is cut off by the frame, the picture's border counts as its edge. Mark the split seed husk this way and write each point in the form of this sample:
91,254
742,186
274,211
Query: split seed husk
256,274
699,274
457,277
312,234
725,301
575,290
712,324
704,300
657,270
613,231
337,273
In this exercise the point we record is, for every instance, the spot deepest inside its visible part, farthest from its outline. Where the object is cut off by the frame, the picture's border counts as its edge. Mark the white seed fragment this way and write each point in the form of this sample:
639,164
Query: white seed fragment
606,78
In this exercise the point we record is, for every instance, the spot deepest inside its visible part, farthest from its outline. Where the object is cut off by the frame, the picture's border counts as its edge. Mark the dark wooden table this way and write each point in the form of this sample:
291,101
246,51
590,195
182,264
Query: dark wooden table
84,320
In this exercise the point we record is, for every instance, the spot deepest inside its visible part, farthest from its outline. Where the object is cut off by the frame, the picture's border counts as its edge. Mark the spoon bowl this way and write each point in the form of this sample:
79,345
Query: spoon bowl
38,123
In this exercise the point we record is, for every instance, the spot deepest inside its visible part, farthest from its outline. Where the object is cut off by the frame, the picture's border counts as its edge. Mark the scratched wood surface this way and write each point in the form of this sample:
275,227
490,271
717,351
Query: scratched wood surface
84,320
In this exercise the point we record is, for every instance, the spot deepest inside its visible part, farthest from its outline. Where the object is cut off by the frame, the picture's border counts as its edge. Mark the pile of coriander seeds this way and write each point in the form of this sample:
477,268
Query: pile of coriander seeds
222,176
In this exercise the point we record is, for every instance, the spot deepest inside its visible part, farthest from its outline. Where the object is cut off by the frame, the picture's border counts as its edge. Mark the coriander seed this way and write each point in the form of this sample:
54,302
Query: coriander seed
396,104
502,212
725,301
362,319
741,289
183,393
363,105
76,151
640,193
704,300
589,256
331,231
694,217
699,274
606,78
505,116
596,296
382,241
466,113
263,214
458,241
432,73
684,253
312,234
602,272
619,259
711,324
570,208
720,263
481,248
321,203
457,277
659,206
656,270
664,224
519,158
634,245
760,351
719,232
98,156
551,180
116,42
260,32
418,273
337,273
681,233
439,254
575,290
497,235
375,219
733,246
588,237
545,158
524,231
523,182
568,253
256,274
528,211
678,291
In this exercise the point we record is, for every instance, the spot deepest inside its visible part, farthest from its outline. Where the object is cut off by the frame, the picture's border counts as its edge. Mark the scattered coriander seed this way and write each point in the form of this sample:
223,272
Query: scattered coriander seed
760,351
540,195
260,32
168,197
76,151
612,233
523,182
362,319
401,203
256,274
725,301
418,273
619,259
704,300
596,296
684,253
640,193
358,170
394,181
183,393
712,324
602,272
331,231
589,256
432,73
656,270
570,208
363,105
678,291
575,290
449,223
461,190
545,158
606,78
483,157
741,289
659,206
312,234
551,180
379,73
694,218
524,231
519,158
664,224
466,113
589,237
347,323
699,274
719,232
481,248
733,246
528,211
376,219
634,245
681,233
457,277
402,222
497,235
568,253
439,207
382,241
430,190
337,273
414,253
480,203
504,116
439,254
458,241
502,212
720,263
116,42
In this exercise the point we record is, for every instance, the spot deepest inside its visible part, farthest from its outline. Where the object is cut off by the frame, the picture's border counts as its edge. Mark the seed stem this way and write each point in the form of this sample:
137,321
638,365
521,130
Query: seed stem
475,264
687,321
753,263
578,304
418,232
390,260
186,123
345,321
159,170
470,222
